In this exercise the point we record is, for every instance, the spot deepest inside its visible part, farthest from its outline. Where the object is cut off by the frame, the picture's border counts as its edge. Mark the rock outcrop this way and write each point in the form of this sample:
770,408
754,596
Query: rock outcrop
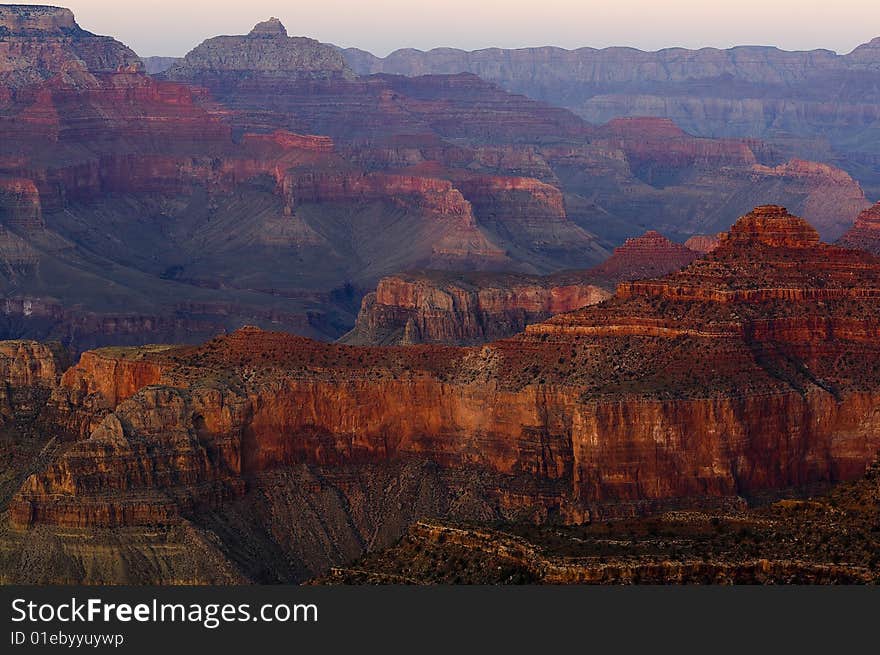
751,371
20,206
865,232
703,243
650,255
266,51
463,309
437,307
37,43
259,181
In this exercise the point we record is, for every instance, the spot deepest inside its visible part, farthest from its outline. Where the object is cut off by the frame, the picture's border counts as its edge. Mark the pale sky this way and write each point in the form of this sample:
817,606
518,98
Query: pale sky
173,27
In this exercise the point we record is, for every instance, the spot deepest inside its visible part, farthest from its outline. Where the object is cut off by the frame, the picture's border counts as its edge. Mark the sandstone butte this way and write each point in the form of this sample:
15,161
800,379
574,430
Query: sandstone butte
753,370
464,309
865,232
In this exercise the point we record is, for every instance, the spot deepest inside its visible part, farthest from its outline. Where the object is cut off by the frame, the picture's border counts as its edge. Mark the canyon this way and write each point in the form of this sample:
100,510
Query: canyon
817,104
465,309
282,312
266,456
261,181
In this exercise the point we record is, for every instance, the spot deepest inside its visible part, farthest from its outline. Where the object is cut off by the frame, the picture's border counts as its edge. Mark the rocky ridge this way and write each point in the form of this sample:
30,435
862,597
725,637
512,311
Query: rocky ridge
751,371
37,43
745,91
463,309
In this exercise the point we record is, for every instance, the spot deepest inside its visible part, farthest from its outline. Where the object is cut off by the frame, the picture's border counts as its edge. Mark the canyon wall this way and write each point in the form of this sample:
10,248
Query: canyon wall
745,91
436,307
751,371
615,408
37,43
865,232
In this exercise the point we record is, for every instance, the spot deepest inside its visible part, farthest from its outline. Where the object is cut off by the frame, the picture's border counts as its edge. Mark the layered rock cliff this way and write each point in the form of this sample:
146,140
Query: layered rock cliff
28,371
617,180
266,51
751,371
436,307
260,182
746,91
703,243
37,43
650,255
865,232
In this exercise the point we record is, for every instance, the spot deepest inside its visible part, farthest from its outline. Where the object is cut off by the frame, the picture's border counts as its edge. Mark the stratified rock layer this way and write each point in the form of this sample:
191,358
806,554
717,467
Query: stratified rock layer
436,307
865,232
462,309
649,255
745,91
703,243
37,43
266,50
752,370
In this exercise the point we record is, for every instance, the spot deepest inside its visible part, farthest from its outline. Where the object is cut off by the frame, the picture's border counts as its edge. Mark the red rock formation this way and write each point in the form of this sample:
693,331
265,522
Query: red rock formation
649,255
683,387
30,364
703,243
20,204
660,143
660,154
435,307
865,232
831,194
28,372
291,185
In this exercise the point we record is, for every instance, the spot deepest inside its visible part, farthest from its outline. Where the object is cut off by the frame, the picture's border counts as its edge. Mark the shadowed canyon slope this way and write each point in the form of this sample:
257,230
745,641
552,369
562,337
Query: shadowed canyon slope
751,371
828,538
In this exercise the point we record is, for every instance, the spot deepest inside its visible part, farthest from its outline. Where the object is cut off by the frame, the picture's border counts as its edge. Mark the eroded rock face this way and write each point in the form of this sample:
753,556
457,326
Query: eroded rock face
703,243
267,50
260,182
20,206
37,43
28,363
752,370
865,232
434,307
746,91
462,309
649,255
29,371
